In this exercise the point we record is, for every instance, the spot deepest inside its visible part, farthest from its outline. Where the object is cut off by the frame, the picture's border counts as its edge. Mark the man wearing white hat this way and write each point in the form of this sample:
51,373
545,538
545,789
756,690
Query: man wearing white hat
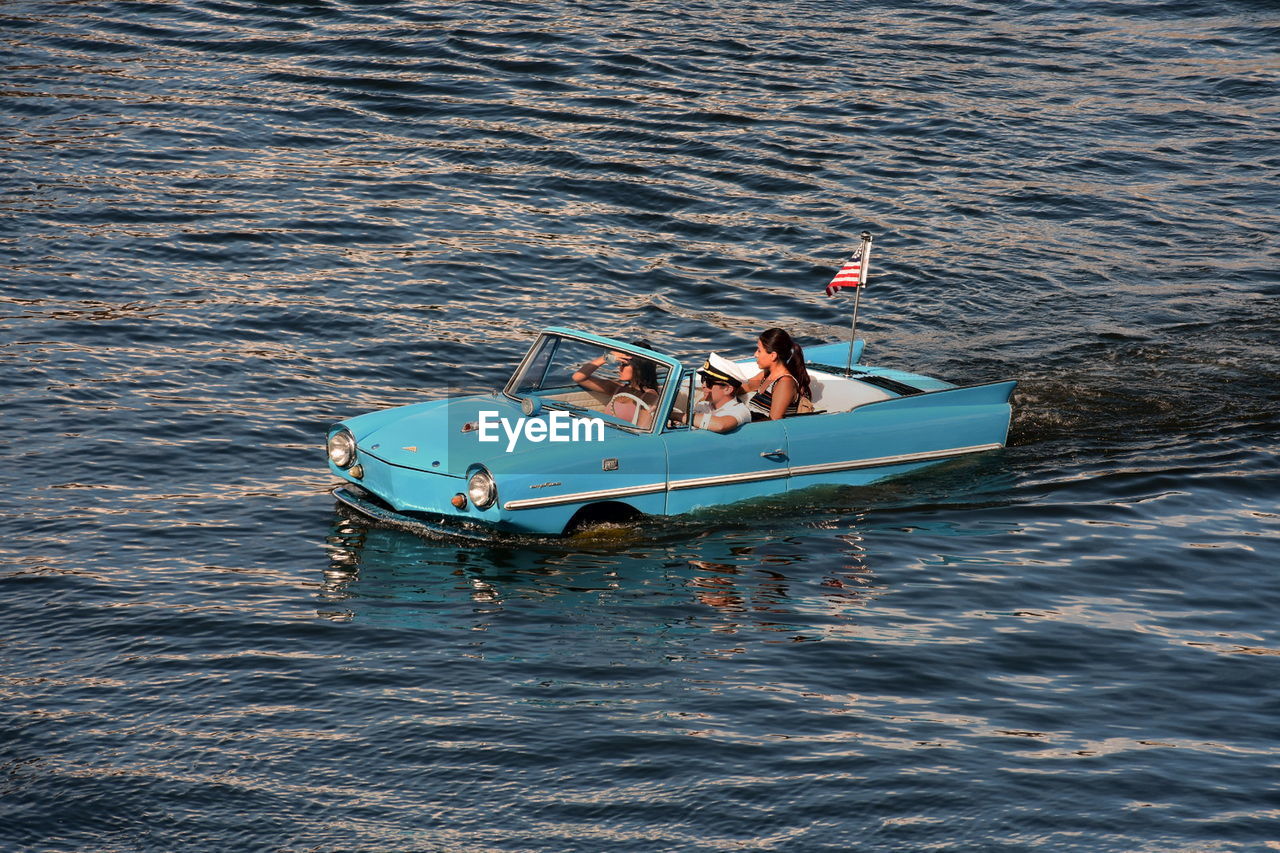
719,409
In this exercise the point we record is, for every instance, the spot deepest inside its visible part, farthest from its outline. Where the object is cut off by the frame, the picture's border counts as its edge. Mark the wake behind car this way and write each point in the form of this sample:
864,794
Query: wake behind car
575,438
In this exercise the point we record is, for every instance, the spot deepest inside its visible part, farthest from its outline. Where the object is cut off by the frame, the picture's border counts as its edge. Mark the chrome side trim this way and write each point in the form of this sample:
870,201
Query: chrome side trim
831,467
749,477
579,497
725,480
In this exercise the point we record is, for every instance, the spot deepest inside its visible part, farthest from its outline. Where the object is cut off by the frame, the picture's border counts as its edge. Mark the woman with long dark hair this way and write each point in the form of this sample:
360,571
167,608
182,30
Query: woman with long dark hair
634,393
782,382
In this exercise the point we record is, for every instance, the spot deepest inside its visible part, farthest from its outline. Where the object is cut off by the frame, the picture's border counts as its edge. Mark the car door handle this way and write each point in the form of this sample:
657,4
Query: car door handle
778,452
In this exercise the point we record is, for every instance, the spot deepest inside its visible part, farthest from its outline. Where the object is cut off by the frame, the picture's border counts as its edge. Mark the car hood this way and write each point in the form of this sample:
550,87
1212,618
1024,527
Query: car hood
431,436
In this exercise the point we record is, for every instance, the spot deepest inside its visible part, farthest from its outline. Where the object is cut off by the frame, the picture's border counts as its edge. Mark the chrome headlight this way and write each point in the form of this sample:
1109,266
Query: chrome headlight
342,448
482,490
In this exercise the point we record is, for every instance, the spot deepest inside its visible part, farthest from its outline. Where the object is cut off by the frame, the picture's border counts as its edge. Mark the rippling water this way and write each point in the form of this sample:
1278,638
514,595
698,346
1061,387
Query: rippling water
225,225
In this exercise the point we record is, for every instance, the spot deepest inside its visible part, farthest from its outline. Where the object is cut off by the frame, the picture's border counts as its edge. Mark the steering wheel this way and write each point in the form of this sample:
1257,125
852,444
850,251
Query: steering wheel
641,405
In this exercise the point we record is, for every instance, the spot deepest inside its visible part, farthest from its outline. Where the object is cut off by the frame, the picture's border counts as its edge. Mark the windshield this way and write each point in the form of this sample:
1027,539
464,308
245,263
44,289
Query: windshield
622,387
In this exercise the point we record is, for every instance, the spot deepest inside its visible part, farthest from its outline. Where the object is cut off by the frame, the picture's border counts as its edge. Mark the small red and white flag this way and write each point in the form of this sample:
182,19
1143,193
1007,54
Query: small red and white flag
852,274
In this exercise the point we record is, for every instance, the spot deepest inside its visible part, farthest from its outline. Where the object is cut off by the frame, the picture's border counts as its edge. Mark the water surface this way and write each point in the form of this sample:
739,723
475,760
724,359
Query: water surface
225,225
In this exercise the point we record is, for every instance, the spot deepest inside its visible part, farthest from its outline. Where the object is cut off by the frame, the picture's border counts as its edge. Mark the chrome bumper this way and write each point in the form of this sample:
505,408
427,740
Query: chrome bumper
357,499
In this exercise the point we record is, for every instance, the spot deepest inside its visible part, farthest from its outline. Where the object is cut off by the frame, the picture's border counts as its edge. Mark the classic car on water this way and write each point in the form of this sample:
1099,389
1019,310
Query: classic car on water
546,455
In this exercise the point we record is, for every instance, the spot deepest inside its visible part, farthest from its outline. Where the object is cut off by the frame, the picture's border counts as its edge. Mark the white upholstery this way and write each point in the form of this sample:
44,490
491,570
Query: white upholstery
837,394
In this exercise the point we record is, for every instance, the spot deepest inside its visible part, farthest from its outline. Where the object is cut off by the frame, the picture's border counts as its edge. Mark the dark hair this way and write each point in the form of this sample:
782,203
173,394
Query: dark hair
644,372
778,342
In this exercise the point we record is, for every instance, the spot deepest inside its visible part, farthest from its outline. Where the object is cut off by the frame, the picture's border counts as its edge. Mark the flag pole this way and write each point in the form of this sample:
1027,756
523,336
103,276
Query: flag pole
865,252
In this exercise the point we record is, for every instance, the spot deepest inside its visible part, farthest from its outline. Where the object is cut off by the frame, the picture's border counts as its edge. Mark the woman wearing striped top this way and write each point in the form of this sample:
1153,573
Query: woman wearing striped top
782,380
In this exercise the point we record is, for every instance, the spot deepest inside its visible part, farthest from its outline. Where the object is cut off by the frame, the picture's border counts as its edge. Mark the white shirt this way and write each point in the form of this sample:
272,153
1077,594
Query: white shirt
703,413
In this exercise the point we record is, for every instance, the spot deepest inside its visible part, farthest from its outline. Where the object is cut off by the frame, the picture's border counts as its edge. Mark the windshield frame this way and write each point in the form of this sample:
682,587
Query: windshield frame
670,385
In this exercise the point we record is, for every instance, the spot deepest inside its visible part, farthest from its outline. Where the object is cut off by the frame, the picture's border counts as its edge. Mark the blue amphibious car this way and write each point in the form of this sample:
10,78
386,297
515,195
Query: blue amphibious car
546,454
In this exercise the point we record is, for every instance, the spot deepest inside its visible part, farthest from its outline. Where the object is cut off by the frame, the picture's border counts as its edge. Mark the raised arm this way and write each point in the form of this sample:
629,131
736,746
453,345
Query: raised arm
584,378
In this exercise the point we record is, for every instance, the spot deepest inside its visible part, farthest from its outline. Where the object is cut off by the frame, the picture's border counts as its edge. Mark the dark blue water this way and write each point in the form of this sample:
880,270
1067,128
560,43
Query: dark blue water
224,225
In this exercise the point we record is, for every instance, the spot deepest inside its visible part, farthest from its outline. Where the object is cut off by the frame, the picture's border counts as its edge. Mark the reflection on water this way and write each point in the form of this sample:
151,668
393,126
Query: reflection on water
797,588
795,567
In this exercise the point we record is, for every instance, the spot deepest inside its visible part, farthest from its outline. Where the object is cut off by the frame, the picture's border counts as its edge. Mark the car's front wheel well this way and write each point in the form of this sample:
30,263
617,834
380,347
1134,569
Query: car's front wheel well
604,512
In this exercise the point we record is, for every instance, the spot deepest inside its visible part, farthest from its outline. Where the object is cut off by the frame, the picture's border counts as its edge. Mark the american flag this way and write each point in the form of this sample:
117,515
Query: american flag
850,275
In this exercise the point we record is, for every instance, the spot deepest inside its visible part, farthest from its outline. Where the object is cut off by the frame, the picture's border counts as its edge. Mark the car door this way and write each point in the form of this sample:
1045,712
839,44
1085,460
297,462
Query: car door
878,439
707,468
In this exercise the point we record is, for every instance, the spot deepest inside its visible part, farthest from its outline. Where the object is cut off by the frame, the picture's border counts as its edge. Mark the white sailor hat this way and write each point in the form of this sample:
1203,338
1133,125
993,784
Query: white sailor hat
719,368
